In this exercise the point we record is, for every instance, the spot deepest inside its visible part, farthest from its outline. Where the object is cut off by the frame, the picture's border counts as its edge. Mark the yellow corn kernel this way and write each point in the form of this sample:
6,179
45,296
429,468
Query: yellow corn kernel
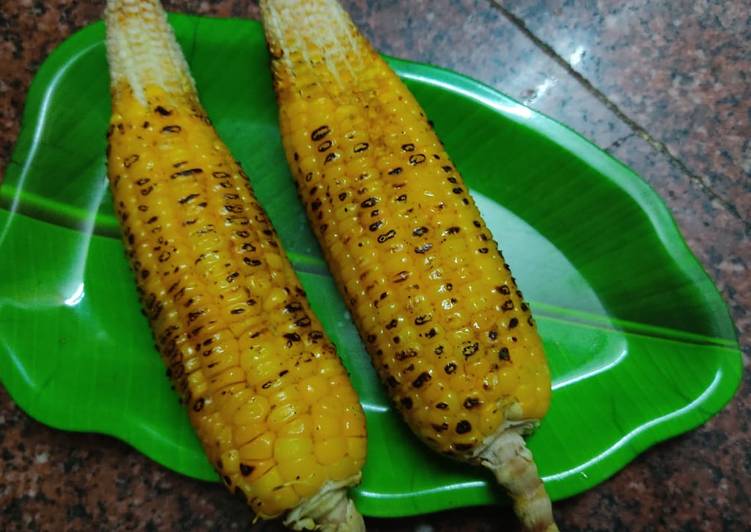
228,313
261,448
331,450
432,296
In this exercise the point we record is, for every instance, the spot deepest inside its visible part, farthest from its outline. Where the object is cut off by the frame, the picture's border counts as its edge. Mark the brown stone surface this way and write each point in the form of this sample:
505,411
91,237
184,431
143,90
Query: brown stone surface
677,74
678,69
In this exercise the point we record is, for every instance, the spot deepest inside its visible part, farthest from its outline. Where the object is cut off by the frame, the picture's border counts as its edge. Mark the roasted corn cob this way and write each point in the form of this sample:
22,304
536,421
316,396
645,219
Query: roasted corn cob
434,300
265,390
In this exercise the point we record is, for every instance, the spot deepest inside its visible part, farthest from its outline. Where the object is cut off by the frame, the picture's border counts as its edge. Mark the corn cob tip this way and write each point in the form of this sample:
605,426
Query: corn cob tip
506,455
329,510
142,50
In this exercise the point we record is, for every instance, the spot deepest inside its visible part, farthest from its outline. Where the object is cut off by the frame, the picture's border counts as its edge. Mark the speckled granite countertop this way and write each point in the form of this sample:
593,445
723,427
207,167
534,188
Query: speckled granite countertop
663,86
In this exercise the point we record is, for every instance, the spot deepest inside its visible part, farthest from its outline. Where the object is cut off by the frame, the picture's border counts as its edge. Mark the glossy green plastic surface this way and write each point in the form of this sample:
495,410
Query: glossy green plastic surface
639,341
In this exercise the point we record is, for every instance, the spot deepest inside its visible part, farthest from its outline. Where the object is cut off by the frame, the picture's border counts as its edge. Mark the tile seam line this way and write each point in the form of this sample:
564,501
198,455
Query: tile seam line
640,131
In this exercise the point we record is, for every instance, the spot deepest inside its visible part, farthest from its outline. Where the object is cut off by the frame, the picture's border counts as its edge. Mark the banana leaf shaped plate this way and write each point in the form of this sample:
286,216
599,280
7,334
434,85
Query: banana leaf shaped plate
639,341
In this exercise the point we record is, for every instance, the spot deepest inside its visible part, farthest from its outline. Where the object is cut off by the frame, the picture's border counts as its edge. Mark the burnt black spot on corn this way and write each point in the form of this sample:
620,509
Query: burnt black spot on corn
328,74
277,430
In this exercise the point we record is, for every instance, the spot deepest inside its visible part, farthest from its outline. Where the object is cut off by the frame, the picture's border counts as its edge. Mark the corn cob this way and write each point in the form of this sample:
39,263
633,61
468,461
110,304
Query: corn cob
436,305
265,390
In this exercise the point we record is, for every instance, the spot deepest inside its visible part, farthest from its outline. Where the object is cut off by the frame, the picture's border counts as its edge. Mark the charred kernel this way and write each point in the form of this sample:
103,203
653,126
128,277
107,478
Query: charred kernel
453,230
342,196
457,190
446,168
421,379
396,339
291,338
171,129
320,133
504,290
470,349
370,202
508,305
452,180
416,159
471,402
130,160
187,198
293,307
431,333
401,276
325,146
420,231
393,323
465,201
401,197
375,225
330,157
450,368
504,354
315,205
386,236
492,335
162,111
406,402
441,406
476,223
186,173
361,147
421,320
513,323
408,147
483,250
424,248
395,171
463,427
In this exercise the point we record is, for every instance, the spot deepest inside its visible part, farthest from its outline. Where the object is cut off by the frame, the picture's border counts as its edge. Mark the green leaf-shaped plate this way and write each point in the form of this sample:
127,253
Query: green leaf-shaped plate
639,341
